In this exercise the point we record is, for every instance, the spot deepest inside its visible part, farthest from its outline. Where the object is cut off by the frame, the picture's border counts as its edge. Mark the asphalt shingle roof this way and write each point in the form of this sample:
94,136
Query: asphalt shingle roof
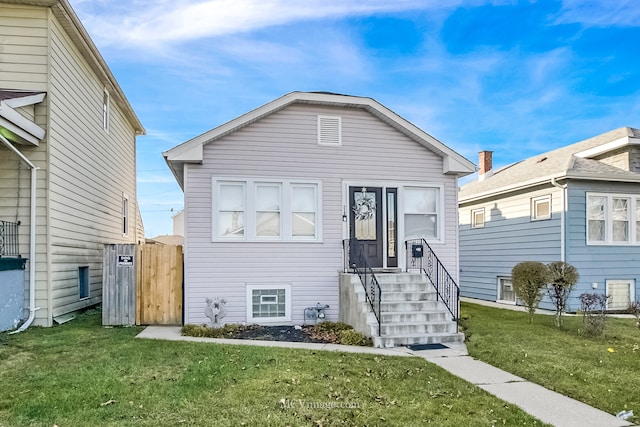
558,163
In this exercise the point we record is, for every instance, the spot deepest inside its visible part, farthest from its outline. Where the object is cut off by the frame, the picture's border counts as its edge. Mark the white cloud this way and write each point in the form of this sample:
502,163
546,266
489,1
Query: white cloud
153,23
603,13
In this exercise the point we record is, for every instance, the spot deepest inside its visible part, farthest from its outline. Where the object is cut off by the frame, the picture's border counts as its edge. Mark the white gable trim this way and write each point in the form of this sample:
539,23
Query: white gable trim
453,163
605,148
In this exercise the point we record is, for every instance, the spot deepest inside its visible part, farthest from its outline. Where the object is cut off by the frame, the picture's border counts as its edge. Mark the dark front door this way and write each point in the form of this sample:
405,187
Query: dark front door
365,206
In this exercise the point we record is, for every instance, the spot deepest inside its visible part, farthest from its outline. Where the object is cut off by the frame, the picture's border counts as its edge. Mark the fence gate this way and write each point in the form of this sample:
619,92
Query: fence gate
159,285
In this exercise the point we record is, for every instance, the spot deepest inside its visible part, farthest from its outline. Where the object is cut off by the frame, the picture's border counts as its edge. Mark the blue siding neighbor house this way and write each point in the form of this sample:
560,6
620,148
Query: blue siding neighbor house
579,204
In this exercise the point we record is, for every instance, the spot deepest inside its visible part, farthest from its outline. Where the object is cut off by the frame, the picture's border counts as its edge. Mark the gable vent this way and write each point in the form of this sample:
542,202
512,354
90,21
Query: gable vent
330,130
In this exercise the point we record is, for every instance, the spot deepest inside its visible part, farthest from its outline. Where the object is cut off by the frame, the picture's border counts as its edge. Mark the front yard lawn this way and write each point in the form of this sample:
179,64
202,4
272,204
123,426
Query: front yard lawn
81,374
603,372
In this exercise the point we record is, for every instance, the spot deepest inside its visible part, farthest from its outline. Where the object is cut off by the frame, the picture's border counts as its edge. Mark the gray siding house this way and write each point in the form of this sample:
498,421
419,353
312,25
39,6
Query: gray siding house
579,204
270,197
67,158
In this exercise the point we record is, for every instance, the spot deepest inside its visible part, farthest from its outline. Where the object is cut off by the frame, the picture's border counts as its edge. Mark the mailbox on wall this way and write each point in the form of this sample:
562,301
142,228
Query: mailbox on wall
417,251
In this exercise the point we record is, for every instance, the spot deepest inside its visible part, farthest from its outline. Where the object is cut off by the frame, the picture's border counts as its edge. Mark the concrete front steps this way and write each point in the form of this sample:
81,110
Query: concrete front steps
410,312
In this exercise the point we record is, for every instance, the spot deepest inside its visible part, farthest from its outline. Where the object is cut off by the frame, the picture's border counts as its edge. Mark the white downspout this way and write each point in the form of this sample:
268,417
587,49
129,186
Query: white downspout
32,238
562,217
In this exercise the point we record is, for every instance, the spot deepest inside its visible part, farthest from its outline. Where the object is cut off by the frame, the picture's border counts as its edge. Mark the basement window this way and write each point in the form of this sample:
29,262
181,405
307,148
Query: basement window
83,282
268,303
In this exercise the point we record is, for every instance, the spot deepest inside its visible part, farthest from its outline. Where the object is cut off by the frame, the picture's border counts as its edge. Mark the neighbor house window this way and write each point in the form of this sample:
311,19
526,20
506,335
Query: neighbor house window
253,210
477,218
620,294
540,208
330,130
125,216
421,213
613,219
105,110
83,282
268,303
505,290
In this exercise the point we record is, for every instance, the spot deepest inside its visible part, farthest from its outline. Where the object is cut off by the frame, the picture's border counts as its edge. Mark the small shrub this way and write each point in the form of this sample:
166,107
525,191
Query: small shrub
351,337
528,279
333,326
592,307
562,277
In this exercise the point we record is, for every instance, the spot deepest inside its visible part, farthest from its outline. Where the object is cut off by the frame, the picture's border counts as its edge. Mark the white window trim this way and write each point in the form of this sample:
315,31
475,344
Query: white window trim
439,211
499,291
608,220
473,217
249,295
632,288
286,212
321,141
106,110
125,223
534,204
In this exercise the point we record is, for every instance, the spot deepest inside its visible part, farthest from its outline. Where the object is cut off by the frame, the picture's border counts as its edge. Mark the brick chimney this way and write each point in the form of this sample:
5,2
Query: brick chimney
485,164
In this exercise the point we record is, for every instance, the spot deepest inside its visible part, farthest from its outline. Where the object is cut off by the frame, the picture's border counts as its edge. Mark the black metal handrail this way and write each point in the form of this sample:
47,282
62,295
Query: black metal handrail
446,288
355,260
9,239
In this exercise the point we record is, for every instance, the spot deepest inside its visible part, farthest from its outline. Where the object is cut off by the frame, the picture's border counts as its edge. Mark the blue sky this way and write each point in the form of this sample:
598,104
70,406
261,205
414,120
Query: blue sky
515,77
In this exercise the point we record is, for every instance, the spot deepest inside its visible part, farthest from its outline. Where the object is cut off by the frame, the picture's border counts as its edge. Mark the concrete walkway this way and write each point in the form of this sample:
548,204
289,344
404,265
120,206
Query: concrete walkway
546,405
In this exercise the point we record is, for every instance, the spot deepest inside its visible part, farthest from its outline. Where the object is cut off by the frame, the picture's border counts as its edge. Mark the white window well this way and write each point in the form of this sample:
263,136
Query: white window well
506,293
330,131
612,219
266,210
477,218
541,208
268,303
620,294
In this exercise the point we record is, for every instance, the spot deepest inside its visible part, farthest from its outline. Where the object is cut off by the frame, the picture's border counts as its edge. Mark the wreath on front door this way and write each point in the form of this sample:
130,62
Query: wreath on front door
365,207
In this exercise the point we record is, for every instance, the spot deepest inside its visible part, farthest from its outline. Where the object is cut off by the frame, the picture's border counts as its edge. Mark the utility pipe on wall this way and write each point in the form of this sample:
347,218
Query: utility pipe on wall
562,217
32,237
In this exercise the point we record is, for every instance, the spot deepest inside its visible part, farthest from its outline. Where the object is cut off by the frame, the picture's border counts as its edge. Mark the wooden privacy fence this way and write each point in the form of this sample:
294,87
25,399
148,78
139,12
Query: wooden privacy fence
159,288
142,284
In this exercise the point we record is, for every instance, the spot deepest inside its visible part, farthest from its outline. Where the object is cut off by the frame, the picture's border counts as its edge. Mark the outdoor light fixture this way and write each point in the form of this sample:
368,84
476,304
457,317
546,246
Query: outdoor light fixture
344,214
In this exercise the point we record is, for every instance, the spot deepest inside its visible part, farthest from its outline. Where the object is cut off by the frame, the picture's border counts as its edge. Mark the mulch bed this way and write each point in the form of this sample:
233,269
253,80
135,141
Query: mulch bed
278,333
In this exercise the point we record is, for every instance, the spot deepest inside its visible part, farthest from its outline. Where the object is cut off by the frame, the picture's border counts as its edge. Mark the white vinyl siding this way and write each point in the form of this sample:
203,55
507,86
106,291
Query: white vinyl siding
612,219
255,210
90,171
284,145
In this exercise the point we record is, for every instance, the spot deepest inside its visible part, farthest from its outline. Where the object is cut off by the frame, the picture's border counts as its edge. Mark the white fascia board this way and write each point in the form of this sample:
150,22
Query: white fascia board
604,148
453,166
20,125
19,132
513,187
185,154
23,101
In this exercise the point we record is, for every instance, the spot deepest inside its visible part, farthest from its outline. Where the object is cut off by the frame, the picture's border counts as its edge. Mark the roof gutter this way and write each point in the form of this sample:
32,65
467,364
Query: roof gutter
32,237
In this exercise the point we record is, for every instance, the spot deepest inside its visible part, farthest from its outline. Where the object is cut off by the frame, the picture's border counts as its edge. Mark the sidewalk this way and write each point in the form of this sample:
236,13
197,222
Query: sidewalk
546,405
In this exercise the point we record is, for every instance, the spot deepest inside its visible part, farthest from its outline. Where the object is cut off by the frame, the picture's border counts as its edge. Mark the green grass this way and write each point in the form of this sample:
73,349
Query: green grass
80,374
561,360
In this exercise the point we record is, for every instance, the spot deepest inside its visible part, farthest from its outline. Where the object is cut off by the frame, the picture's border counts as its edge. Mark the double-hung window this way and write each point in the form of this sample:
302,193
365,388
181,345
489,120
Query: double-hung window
613,219
255,210
422,212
